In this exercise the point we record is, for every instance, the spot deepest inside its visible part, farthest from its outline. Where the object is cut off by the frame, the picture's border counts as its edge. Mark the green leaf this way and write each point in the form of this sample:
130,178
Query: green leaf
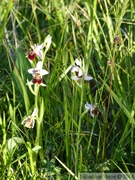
13,142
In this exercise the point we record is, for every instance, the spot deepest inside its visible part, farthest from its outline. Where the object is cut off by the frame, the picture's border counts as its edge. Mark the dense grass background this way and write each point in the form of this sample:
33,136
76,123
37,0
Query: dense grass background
66,140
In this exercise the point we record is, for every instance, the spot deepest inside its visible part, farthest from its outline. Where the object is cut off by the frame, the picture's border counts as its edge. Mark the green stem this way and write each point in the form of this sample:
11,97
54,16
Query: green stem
38,140
4,138
32,163
36,90
109,99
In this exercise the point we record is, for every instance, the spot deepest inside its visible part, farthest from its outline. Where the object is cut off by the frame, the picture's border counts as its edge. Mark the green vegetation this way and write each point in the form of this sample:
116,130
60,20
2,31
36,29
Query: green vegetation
66,140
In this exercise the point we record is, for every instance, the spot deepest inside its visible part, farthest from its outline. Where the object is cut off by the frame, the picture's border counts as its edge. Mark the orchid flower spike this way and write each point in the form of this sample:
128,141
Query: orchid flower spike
29,122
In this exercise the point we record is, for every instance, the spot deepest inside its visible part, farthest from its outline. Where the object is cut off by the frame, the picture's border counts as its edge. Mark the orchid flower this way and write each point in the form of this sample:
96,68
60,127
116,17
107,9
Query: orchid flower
29,122
92,109
77,69
37,74
86,78
36,51
38,69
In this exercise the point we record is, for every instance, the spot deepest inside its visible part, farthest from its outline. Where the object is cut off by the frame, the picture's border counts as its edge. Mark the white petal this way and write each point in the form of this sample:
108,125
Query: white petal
75,78
35,112
39,65
37,47
88,106
91,113
87,78
32,70
75,69
41,46
43,72
42,84
39,53
23,122
77,62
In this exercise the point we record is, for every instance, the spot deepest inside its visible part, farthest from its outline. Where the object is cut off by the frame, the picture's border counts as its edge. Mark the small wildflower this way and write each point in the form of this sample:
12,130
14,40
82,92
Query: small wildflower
116,40
92,108
77,69
37,74
109,62
38,69
29,122
36,50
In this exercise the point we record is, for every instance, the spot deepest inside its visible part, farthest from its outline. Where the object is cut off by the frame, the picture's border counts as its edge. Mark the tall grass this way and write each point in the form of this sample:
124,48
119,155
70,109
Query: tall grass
66,140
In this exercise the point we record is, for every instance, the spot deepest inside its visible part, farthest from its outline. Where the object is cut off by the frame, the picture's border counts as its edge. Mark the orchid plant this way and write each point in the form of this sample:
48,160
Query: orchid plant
37,80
